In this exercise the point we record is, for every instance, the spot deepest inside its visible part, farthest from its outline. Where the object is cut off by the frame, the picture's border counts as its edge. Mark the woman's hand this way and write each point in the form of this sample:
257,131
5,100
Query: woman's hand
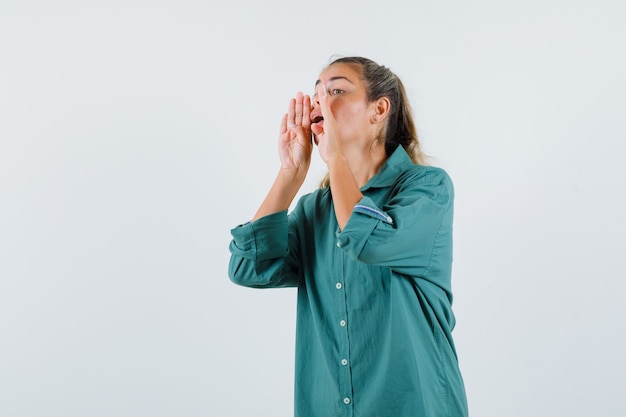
294,143
344,188
294,148
325,135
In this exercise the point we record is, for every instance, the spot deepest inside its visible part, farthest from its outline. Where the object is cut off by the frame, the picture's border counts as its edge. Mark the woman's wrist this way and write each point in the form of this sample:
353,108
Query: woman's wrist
294,173
335,160
286,185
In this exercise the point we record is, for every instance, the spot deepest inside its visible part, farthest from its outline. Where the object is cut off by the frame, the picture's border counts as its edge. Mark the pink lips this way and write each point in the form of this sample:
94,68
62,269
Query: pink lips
318,120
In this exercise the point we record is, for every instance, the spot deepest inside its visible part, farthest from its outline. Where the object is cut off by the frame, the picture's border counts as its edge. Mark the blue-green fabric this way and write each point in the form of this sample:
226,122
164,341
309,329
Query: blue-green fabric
373,335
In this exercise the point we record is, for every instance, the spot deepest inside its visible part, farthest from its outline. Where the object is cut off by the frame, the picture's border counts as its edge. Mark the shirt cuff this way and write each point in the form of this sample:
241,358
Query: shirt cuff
262,239
364,218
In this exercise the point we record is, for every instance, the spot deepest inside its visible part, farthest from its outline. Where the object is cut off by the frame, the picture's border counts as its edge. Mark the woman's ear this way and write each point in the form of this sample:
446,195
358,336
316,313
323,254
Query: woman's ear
381,109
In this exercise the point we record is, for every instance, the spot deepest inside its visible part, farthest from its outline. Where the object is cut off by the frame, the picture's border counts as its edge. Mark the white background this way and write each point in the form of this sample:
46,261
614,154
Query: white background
134,135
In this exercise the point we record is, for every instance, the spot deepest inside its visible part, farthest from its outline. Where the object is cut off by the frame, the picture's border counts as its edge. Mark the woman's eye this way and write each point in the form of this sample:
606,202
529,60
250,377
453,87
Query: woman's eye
335,91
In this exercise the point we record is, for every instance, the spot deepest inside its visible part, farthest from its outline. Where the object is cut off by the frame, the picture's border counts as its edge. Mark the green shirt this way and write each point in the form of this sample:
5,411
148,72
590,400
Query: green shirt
373,334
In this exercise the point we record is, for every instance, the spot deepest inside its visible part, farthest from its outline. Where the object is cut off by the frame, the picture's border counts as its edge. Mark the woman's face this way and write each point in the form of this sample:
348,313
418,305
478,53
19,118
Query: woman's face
347,99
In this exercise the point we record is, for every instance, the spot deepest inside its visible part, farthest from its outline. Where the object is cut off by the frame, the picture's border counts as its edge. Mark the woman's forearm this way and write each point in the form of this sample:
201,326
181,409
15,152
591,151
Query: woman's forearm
283,191
344,188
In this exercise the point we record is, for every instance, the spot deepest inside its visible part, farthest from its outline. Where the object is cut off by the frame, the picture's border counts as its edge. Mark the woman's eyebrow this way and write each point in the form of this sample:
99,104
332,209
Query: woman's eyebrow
334,79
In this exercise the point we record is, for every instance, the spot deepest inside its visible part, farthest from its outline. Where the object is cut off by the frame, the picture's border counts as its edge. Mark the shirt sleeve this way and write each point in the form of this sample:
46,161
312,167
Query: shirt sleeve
263,253
411,234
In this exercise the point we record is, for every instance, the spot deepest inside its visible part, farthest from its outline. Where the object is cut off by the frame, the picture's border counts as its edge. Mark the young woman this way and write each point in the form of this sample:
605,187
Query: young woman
370,252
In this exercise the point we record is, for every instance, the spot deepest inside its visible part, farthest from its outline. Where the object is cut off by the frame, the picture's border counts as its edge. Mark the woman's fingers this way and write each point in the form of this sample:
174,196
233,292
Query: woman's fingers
299,113
306,111
298,110
295,144
291,113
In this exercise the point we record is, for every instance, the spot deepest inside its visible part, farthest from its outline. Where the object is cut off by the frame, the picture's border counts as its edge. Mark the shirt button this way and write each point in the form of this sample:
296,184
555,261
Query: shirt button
342,323
346,400
344,362
338,285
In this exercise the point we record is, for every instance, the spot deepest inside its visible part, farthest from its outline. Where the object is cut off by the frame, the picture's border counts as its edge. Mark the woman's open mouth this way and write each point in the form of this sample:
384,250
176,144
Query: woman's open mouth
318,121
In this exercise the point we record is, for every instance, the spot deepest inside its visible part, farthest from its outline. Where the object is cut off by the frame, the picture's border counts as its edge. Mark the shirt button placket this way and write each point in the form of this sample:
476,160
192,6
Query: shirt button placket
344,361
345,379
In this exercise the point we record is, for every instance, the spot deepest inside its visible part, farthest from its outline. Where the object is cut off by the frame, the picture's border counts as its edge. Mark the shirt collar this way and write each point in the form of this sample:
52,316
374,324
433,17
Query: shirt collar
393,166
391,169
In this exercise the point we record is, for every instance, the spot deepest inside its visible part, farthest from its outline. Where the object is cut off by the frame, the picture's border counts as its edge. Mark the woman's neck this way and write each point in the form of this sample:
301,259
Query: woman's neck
365,162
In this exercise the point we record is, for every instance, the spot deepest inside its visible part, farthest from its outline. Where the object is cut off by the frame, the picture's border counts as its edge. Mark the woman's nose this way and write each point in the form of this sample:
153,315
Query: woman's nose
319,89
